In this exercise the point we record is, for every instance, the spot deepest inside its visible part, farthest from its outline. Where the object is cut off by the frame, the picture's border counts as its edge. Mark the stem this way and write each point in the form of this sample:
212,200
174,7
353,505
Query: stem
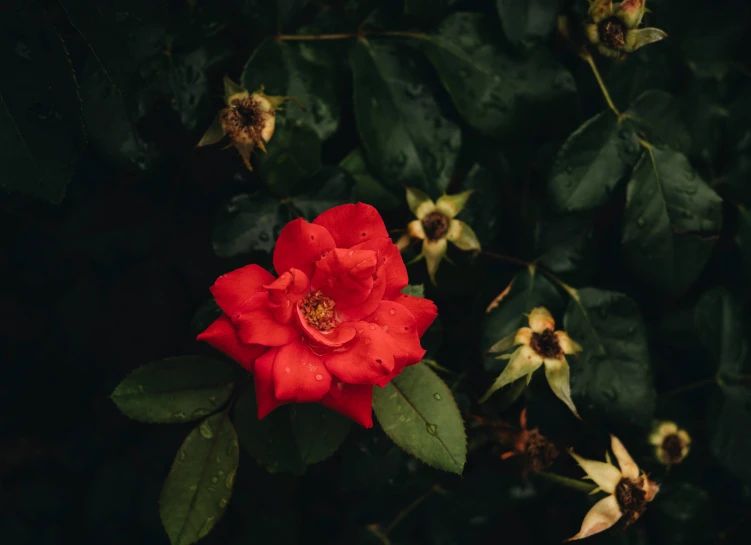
350,35
581,486
691,387
508,259
591,62
411,507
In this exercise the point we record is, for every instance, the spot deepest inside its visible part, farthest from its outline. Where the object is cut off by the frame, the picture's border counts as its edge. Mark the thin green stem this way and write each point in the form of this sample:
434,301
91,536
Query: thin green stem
350,35
690,387
591,62
575,484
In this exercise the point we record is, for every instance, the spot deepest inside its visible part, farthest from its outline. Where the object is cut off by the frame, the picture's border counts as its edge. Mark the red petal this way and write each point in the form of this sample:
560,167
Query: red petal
423,310
256,324
299,374
332,338
354,401
300,245
285,292
266,401
368,306
391,260
352,224
222,335
369,360
401,326
234,289
346,276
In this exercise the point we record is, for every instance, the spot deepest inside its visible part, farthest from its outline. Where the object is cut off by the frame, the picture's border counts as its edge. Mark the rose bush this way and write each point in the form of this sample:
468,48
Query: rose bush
333,324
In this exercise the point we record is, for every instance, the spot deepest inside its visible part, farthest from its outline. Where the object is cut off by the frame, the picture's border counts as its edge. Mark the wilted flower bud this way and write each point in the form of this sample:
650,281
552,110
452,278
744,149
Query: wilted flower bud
249,120
671,443
435,225
614,27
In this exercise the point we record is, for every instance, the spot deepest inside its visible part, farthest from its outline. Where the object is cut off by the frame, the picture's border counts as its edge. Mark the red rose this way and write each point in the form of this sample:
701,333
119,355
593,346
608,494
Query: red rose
333,324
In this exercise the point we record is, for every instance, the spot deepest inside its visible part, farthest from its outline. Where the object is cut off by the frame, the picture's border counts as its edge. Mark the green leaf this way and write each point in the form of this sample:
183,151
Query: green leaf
671,222
406,138
496,94
247,223
730,441
282,70
179,389
204,316
591,162
417,290
659,116
529,22
367,187
294,153
721,329
41,135
318,431
271,17
289,437
612,377
483,210
329,187
199,485
418,412
743,236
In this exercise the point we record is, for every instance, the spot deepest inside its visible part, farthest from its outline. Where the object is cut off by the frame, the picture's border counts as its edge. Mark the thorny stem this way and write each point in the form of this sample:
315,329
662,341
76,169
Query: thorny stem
349,35
591,62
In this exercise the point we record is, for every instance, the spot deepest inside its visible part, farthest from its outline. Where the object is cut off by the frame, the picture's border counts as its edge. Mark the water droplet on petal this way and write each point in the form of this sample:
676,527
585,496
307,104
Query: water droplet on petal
392,311
372,327
351,252
319,376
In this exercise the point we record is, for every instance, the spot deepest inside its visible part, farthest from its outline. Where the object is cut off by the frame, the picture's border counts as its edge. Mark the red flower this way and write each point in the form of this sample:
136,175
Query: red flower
334,323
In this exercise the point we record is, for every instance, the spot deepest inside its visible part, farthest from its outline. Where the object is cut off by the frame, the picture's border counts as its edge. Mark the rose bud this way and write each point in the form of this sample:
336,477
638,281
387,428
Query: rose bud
614,27
671,443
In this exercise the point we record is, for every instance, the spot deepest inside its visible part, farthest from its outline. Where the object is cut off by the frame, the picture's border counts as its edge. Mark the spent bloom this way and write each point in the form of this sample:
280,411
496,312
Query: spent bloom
333,324
628,491
536,449
671,443
614,27
539,344
248,119
436,224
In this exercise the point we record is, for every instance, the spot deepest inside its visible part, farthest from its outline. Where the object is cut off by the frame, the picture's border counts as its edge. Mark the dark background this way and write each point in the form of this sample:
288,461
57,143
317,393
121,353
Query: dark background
112,276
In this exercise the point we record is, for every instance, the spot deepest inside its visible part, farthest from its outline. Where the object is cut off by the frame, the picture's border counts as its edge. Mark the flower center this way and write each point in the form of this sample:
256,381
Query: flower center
613,33
540,452
436,225
546,344
631,498
318,311
672,448
242,120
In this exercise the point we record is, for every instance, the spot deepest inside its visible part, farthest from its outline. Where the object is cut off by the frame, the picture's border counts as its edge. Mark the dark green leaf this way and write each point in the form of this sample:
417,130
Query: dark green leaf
743,236
369,190
205,315
247,223
329,187
591,162
658,114
271,17
418,412
294,153
496,94
564,244
405,136
671,221
177,389
318,431
612,377
720,327
731,419
199,485
282,70
483,209
526,23
41,135
687,514
416,290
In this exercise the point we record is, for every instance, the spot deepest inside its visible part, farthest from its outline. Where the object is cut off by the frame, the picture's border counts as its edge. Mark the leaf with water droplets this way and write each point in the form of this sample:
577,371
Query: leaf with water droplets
529,22
293,154
282,70
327,188
369,189
497,94
681,220
179,389
191,503
429,428
405,135
41,134
318,431
721,328
612,377
659,116
247,223
591,163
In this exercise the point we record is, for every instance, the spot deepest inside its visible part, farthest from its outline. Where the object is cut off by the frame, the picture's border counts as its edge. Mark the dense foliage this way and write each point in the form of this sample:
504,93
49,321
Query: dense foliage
568,183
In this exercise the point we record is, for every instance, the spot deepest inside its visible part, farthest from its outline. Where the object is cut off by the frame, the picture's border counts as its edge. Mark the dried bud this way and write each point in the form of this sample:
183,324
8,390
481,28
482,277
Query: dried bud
614,28
671,443
249,120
